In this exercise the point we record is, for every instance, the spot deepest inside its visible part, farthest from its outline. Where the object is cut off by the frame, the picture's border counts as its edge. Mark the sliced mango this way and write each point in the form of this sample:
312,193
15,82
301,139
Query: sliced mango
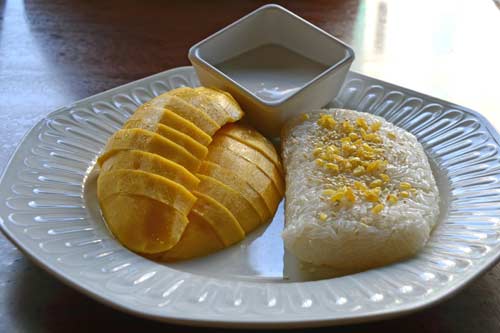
253,156
249,172
220,218
232,180
140,183
205,102
198,239
156,115
142,224
191,145
149,194
254,139
225,101
243,211
148,162
185,110
139,139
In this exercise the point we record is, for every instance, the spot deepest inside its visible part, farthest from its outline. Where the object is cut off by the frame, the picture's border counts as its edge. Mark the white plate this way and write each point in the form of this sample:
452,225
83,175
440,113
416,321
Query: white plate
49,210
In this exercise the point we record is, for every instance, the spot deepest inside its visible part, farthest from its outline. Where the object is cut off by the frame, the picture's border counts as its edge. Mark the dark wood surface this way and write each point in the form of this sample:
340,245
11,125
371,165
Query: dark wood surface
55,52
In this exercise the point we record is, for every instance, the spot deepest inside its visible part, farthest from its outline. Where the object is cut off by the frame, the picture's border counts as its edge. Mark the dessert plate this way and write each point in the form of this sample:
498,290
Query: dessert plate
48,208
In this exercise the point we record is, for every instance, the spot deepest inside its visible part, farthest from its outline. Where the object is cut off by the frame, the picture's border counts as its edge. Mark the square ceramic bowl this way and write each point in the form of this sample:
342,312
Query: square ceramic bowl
275,64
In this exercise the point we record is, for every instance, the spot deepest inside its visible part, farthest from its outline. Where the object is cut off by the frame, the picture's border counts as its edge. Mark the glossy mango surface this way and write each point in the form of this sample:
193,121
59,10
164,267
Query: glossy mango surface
179,182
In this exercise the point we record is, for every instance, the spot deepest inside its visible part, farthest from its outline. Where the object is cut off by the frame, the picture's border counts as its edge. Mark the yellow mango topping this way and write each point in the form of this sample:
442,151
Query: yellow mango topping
346,165
372,195
361,122
337,158
376,183
349,194
360,186
317,152
404,186
374,166
355,161
392,198
385,177
329,192
322,216
346,140
332,150
377,208
332,167
320,162
376,126
359,170
353,136
327,121
362,132
367,148
372,137
347,126
352,155
348,148
337,196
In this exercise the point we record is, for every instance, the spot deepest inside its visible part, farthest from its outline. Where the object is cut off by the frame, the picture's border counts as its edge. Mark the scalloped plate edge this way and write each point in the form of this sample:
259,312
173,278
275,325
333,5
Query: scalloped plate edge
51,268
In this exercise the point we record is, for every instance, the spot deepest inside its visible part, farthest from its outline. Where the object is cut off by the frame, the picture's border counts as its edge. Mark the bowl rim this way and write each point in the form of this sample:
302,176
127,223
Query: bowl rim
196,59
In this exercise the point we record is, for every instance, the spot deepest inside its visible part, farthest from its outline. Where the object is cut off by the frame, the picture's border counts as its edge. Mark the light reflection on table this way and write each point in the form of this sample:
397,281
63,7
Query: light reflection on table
439,49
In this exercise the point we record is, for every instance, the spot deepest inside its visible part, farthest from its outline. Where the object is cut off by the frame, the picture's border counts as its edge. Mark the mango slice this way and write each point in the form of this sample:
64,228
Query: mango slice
191,145
205,102
220,218
249,172
251,137
152,163
174,185
224,100
156,115
253,156
139,139
185,110
142,224
242,210
198,239
232,180
140,183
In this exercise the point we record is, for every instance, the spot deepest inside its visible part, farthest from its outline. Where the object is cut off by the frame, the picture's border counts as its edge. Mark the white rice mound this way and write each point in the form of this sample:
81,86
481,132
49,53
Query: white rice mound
354,238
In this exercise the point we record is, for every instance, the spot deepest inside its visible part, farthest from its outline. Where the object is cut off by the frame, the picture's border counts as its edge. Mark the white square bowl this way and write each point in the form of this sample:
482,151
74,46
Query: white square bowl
274,25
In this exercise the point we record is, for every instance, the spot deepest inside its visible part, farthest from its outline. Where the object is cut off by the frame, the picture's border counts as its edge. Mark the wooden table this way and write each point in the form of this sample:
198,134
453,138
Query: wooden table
55,52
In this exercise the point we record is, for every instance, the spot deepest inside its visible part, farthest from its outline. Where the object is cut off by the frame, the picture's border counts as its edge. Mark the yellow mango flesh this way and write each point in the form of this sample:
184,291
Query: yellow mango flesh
188,143
249,172
224,101
242,210
220,218
185,110
139,139
156,115
202,102
253,156
198,239
136,182
142,224
238,184
151,199
152,163
252,138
